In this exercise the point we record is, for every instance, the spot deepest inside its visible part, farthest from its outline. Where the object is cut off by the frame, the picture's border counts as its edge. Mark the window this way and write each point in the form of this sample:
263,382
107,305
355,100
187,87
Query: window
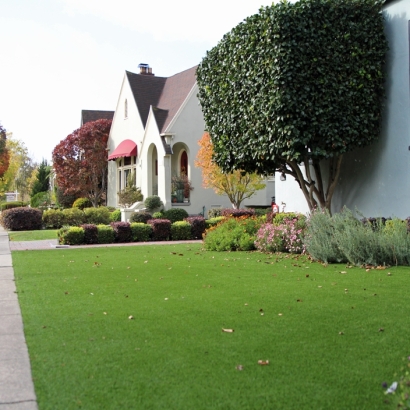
125,108
184,164
125,166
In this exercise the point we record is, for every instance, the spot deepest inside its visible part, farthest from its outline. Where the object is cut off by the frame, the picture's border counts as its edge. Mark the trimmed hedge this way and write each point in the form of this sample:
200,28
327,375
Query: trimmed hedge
175,214
90,234
12,204
115,216
161,229
54,219
105,234
122,231
181,231
141,232
22,219
71,235
213,221
198,226
97,216
73,217
143,217
82,203
237,213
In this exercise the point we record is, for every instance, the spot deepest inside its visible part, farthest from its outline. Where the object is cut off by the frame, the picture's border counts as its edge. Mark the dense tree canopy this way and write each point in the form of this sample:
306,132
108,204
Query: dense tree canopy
4,153
298,83
237,185
42,179
80,161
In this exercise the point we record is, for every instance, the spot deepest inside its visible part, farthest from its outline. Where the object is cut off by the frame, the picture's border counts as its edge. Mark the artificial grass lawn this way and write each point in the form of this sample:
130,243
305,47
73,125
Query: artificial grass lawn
86,353
33,235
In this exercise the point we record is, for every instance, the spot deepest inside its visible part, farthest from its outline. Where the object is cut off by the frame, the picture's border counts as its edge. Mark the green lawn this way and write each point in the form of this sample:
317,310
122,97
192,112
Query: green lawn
33,235
141,328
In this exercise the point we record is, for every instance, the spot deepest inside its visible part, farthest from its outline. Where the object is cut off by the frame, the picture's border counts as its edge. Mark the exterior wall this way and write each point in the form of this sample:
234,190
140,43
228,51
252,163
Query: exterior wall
375,180
123,128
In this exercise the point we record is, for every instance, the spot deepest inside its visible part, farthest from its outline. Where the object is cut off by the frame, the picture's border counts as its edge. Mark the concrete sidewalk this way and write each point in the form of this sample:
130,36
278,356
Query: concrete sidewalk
16,384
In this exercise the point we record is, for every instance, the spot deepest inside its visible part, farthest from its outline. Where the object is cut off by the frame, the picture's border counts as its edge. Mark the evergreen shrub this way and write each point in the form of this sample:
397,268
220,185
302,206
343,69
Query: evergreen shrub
153,202
53,219
105,234
175,214
141,232
22,219
181,231
115,215
90,234
11,204
161,229
82,203
198,226
213,221
143,217
41,199
73,217
237,213
122,231
158,215
71,235
97,216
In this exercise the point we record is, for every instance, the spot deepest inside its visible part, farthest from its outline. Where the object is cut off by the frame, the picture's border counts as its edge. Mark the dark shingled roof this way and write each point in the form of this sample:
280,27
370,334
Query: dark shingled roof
94,115
166,95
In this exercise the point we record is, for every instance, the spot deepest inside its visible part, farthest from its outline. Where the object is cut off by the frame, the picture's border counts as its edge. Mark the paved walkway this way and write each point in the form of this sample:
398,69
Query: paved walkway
16,384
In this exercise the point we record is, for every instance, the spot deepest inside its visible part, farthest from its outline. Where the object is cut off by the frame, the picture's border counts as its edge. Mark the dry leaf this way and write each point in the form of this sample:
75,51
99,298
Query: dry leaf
263,362
130,317
227,330
166,299
307,275
341,333
380,267
343,271
105,313
319,286
279,314
239,367
145,261
299,300
388,274
381,329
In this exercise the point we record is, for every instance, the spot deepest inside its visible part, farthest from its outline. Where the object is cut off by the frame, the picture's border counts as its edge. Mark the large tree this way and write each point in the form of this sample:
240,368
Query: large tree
4,152
80,161
297,84
237,185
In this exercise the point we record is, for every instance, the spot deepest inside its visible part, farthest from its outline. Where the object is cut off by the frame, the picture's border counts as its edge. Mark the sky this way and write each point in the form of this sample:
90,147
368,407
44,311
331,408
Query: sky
61,56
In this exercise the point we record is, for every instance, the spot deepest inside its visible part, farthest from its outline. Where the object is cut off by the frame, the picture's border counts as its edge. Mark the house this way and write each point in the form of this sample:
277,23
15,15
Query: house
376,179
155,132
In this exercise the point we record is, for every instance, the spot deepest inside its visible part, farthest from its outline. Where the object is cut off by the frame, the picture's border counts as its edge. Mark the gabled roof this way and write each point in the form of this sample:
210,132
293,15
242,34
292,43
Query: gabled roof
94,115
166,94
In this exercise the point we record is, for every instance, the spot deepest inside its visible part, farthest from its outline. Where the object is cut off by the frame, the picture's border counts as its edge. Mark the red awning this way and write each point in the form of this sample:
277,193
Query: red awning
127,148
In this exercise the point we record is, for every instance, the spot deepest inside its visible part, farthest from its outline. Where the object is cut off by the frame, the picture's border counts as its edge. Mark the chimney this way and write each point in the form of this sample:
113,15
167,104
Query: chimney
145,69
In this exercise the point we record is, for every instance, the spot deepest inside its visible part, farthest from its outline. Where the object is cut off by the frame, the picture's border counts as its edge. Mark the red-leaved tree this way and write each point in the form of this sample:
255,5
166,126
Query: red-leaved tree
80,161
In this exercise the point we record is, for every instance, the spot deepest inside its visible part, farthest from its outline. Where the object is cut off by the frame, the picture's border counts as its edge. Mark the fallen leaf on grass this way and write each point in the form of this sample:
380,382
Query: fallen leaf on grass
381,329
263,362
299,300
130,317
341,333
239,367
227,330
343,272
145,261
380,267
279,314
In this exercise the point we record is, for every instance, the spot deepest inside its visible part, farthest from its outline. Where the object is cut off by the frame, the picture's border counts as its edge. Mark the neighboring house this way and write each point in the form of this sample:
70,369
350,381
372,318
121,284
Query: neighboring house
376,179
94,115
155,132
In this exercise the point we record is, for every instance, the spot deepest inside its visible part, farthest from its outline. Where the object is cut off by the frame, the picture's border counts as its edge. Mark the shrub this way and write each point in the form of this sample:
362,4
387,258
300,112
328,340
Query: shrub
198,226
175,214
153,202
122,231
115,216
90,234
158,215
236,213
71,235
213,221
277,238
11,204
41,199
395,242
214,212
262,211
73,217
97,216
82,203
181,231
53,219
105,234
161,229
141,232
143,217
22,219
232,234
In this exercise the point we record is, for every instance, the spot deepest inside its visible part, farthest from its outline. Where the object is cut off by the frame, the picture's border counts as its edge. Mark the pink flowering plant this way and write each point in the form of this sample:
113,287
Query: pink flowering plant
285,237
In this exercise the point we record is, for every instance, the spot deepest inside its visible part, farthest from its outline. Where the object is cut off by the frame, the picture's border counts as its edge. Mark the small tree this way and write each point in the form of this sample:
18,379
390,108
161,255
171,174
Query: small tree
42,181
130,194
237,185
297,84
80,161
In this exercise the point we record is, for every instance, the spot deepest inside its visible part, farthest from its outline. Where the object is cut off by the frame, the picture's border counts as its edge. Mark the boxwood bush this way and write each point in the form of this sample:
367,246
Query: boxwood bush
73,217
11,204
141,232
97,216
122,231
175,214
198,226
143,217
82,203
105,234
90,234
53,219
22,219
71,235
115,216
181,231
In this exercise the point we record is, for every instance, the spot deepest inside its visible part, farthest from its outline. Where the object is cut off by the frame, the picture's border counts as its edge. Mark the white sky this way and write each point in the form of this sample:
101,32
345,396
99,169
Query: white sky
61,56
